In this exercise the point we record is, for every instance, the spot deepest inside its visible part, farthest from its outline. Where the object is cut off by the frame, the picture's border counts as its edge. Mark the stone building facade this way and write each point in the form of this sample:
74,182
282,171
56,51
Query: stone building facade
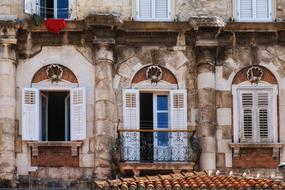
216,67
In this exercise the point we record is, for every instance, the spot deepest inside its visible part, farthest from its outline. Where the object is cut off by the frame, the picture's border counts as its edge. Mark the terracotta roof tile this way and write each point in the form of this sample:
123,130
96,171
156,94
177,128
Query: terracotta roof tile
191,180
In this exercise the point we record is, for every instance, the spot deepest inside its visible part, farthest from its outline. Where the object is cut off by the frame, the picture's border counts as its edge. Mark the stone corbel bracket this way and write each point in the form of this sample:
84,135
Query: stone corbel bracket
73,145
8,30
275,146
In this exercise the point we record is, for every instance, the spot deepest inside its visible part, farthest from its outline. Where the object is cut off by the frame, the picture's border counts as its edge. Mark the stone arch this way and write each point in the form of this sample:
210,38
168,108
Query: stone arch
67,75
167,76
241,76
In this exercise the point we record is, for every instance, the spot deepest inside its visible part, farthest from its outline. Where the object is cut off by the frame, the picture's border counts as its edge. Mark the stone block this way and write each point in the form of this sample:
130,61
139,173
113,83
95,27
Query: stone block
206,80
227,132
221,160
223,99
224,116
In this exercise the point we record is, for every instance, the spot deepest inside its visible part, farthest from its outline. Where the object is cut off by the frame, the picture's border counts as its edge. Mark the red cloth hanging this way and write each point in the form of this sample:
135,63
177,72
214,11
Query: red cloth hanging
55,25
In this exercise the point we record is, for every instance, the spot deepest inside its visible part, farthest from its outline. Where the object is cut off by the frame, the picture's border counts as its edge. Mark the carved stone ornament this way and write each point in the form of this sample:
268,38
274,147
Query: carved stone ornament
254,74
54,73
154,74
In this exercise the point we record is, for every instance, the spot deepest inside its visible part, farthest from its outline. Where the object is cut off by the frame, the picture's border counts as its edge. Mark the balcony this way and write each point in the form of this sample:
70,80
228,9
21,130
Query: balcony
155,150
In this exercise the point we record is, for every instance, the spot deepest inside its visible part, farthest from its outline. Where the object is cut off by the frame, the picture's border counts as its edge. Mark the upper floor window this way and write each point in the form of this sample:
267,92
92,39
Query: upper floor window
255,97
254,10
49,8
153,10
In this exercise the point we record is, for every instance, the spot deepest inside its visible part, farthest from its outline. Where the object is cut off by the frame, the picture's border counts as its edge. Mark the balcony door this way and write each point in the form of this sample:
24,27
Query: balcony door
154,115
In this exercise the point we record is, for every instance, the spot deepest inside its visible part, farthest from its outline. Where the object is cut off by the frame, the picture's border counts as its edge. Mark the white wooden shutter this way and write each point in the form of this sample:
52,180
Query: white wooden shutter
161,9
178,121
263,116
31,6
77,114
144,9
263,11
247,113
131,140
30,114
245,9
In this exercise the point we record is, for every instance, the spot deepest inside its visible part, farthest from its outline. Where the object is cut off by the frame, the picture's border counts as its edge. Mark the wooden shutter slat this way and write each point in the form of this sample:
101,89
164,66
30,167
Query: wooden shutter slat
262,9
161,9
263,117
77,114
131,140
246,9
178,121
30,114
145,9
247,116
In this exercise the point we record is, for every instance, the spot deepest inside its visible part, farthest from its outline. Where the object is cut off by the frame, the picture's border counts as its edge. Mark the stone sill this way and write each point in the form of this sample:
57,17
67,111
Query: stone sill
274,146
73,145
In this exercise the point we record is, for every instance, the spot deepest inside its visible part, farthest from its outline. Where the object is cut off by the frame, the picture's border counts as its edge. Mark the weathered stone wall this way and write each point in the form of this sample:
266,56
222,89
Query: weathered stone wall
183,9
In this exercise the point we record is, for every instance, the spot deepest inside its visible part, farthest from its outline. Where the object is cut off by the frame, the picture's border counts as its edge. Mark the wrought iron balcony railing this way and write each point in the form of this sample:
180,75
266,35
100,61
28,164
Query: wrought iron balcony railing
156,145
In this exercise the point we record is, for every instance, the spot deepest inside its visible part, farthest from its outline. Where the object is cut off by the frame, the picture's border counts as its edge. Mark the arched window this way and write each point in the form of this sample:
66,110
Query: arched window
255,93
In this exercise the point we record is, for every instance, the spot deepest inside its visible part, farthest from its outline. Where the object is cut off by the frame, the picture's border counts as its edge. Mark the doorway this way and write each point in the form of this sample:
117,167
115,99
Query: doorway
55,115
154,115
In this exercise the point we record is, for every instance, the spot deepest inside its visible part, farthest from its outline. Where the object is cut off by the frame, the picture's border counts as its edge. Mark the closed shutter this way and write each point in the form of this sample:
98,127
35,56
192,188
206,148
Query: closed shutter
263,9
131,140
247,116
144,9
161,9
30,114
178,118
77,114
263,117
31,6
246,9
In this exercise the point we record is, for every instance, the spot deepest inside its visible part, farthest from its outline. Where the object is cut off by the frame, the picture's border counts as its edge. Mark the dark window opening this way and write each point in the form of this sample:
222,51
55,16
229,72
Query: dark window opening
54,9
146,123
55,116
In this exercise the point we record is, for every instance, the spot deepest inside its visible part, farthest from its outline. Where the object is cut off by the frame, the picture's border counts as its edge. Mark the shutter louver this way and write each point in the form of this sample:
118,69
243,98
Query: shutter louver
263,115
78,114
262,9
178,118
161,9
247,107
131,140
145,9
31,6
246,9
30,114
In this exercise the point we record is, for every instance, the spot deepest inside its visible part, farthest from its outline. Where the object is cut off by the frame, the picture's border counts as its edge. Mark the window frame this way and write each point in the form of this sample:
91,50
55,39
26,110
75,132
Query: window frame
254,19
237,112
153,18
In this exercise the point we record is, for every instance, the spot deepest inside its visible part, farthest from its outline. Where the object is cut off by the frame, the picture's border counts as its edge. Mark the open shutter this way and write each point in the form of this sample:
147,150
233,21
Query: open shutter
30,114
77,114
263,116
247,116
144,9
263,11
31,6
245,9
161,9
131,140
178,118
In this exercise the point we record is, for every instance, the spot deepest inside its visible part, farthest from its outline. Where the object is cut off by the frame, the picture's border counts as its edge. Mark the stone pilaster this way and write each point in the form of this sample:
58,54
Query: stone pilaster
7,99
206,128
104,108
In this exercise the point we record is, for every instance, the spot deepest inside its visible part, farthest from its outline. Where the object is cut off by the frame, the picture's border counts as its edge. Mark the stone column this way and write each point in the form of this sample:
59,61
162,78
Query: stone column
7,100
206,128
104,108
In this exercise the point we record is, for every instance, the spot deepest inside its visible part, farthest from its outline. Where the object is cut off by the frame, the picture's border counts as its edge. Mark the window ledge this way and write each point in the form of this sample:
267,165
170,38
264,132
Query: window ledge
74,146
274,146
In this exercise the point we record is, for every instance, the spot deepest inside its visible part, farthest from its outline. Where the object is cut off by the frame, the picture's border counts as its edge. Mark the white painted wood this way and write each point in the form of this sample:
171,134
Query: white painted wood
153,10
77,114
131,111
254,10
30,114
31,6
